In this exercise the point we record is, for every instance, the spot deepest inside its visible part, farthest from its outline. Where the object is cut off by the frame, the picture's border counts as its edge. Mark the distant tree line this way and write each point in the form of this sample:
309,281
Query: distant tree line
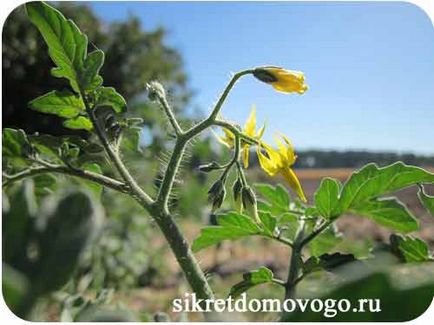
355,159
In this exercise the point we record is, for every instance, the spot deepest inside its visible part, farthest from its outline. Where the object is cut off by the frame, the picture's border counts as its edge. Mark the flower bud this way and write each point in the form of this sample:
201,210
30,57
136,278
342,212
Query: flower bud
248,198
264,75
286,81
218,200
155,90
236,191
217,194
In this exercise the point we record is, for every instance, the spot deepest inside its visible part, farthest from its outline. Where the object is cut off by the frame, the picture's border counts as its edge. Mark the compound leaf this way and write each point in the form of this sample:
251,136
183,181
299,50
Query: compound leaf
61,103
90,78
277,198
389,213
327,198
268,222
78,123
108,96
410,249
251,279
426,200
326,262
67,46
230,226
372,181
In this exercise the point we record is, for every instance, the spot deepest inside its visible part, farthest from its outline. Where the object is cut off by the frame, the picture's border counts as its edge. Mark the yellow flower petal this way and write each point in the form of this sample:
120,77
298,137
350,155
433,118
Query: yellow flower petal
224,140
267,164
289,152
293,182
250,126
287,81
260,132
281,147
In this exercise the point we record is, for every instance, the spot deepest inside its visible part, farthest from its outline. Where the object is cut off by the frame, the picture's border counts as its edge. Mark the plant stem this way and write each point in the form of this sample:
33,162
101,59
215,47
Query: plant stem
170,115
278,281
226,92
181,249
170,173
295,262
115,158
315,233
284,240
184,138
235,131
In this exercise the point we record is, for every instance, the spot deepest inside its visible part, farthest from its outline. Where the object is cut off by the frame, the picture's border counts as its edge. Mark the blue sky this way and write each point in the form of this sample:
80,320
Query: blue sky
370,66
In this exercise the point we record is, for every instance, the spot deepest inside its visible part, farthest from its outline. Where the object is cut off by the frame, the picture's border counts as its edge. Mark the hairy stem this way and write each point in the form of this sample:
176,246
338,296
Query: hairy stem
184,138
115,158
181,249
170,115
170,174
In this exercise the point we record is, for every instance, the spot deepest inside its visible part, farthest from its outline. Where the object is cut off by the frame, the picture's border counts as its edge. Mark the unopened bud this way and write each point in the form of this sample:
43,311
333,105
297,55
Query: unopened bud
218,200
217,194
249,202
155,90
236,191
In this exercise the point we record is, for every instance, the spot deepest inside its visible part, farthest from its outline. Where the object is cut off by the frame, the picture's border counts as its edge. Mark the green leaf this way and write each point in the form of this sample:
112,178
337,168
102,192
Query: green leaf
79,123
67,46
44,184
233,219
47,145
372,181
230,226
288,224
325,241
276,197
327,198
326,262
268,221
15,145
68,228
251,279
90,78
16,222
410,249
61,103
108,96
15,286
389,213
426,200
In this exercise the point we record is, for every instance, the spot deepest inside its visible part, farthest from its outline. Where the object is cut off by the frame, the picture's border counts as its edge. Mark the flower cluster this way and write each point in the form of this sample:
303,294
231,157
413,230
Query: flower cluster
274,161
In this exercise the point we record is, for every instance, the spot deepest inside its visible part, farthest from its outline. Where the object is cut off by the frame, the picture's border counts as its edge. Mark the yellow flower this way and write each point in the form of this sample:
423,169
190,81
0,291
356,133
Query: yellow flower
280,162
286,81
249,130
